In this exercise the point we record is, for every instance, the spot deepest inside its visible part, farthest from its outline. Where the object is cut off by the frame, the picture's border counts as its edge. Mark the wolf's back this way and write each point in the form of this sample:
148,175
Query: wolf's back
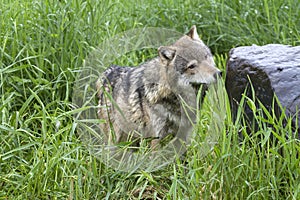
109,79
113,74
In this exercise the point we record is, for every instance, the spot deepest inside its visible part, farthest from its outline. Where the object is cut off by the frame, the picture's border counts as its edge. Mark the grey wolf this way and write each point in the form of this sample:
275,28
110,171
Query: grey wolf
146,101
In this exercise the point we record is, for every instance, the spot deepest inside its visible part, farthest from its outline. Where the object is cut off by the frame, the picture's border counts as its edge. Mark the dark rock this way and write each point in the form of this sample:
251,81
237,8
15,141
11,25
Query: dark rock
272,68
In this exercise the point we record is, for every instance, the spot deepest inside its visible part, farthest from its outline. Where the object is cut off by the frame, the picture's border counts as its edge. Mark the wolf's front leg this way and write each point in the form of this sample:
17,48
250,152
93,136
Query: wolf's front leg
154,144
159,132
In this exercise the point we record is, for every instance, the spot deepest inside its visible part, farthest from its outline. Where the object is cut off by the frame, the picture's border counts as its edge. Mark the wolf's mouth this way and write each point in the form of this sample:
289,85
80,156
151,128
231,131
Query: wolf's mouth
200,87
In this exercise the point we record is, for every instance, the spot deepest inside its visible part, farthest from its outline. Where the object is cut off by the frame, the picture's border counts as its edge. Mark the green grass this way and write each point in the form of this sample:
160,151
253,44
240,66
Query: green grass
42,47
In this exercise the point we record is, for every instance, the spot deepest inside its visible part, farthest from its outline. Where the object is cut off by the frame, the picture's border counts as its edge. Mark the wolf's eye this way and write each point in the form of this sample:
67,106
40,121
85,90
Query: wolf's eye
192,66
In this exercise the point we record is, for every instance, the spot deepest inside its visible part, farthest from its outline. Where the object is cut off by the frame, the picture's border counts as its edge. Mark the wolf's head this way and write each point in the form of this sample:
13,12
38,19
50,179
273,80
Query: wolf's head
190,57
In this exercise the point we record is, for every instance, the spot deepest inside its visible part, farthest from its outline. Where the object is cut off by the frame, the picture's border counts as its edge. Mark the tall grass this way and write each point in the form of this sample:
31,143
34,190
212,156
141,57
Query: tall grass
42,47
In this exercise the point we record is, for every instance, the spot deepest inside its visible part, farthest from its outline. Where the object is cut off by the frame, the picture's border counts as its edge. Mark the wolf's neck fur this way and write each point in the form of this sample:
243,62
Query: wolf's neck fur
166,83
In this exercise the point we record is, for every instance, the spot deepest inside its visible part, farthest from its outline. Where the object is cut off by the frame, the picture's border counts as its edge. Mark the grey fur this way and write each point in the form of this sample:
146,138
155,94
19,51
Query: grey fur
146,101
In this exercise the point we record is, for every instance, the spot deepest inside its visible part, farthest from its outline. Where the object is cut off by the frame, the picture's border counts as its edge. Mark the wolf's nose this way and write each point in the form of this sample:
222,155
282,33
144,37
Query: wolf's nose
218,75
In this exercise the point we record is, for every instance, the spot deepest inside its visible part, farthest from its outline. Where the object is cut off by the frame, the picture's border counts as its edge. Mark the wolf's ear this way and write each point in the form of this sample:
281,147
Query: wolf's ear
193,33
166,54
